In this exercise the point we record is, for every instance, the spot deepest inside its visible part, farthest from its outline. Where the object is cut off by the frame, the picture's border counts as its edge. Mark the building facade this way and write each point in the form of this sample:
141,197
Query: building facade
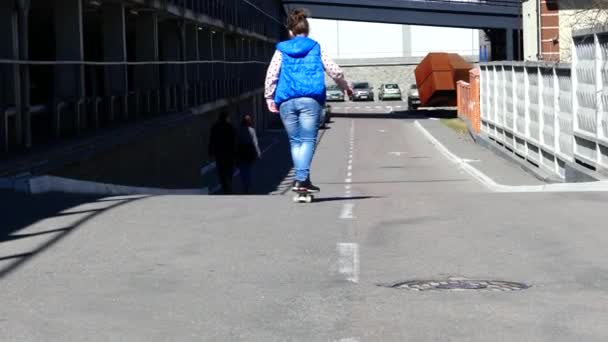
73,67
548,25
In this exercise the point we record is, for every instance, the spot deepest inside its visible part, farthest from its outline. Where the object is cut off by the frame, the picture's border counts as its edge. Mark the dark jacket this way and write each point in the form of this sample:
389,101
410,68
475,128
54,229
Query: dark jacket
222,142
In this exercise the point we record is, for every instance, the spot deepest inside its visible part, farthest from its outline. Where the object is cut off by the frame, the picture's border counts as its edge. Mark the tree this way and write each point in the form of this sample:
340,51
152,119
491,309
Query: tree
578,14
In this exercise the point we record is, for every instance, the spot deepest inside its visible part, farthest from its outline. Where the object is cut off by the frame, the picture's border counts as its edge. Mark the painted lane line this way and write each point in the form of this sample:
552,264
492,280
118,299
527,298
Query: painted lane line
347,186
347,211
348,180
490,184
349,174
348,262
349,167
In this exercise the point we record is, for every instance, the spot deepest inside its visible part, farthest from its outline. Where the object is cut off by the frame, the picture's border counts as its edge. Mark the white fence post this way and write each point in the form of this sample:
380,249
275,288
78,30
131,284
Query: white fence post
603,113
526,109
598,95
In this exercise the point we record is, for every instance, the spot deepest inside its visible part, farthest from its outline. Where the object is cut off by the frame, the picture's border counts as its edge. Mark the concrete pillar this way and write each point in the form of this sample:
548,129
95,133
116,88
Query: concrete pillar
192,54
170,51
510,47
115,50
407,40
146,50
183,27
69,79
216,68
10,85
23,120
205,69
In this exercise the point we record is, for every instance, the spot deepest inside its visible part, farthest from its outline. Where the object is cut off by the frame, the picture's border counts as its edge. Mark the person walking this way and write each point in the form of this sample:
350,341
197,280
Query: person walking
248,151
222,148
295,88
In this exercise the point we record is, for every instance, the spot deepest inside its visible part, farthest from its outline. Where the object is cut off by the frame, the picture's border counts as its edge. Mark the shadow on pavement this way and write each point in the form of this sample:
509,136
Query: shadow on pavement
417,114
403,181
20,211
344,198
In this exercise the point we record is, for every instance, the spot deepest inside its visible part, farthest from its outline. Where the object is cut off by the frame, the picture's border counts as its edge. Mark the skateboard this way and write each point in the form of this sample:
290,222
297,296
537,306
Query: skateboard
303,196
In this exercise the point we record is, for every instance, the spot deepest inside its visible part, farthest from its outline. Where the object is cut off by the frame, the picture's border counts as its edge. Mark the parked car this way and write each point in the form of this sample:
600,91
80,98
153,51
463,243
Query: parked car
362,91
389,91
334,93
413,98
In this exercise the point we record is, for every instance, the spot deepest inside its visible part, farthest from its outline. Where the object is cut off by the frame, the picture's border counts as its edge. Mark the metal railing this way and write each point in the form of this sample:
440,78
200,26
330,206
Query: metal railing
551,114
103,93
526,108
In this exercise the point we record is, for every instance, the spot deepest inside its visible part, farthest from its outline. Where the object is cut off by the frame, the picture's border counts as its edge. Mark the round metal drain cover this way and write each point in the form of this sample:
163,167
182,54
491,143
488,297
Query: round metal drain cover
460,285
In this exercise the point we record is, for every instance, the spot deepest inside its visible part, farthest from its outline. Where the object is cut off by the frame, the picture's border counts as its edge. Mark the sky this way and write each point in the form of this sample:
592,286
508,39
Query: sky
366,40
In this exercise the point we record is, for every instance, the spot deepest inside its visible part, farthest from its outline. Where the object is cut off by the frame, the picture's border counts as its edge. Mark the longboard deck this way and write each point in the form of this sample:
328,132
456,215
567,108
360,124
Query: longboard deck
303,196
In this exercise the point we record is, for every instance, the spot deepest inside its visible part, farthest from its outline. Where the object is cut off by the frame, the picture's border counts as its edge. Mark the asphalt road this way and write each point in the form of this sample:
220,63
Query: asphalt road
261,268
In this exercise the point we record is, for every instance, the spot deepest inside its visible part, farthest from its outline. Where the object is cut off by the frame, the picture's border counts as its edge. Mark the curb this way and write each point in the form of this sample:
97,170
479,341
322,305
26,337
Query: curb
490,184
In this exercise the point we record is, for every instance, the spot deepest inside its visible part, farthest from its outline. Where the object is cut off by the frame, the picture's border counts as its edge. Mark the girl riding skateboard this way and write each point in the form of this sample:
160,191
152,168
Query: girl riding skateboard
295,88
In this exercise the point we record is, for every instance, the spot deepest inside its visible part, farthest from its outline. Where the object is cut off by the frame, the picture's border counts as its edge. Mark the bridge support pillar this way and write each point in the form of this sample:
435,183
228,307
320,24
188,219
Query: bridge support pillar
510,47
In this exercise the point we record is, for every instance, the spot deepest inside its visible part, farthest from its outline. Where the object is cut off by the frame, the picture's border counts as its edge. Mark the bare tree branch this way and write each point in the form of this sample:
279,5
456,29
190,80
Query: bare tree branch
576,15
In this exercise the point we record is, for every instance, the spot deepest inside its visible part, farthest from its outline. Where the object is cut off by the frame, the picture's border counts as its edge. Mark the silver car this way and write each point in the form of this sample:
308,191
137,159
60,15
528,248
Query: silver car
389,91
413,97
362,91
334,93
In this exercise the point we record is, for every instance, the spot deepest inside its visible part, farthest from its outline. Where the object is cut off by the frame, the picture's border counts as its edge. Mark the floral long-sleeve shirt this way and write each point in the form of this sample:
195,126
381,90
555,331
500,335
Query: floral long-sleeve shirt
272,75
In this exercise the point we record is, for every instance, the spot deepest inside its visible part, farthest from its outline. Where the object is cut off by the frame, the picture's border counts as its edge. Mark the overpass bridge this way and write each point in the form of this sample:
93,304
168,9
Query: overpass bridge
497,15
477,14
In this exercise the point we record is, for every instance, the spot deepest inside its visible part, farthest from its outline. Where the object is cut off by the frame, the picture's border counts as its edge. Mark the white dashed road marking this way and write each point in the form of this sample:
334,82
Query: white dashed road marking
347,208
348,262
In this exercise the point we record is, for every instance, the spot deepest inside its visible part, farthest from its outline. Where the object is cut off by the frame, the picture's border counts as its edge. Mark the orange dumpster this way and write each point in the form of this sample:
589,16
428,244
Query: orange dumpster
436,78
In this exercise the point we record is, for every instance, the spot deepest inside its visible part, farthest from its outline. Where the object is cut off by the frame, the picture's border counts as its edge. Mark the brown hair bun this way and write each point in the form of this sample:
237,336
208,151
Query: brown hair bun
297,22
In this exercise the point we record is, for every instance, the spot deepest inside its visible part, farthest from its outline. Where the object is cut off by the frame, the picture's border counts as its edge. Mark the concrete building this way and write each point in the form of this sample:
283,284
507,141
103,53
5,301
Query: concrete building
73,66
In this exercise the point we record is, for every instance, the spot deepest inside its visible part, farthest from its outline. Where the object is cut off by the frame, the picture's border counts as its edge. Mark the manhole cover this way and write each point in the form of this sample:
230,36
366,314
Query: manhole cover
459,284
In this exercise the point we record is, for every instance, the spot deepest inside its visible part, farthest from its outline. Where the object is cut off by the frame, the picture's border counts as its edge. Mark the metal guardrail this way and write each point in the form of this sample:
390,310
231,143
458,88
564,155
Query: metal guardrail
551,114
527,108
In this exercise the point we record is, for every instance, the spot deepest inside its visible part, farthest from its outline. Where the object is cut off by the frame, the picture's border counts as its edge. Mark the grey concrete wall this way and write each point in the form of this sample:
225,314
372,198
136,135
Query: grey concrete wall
168,156
377,75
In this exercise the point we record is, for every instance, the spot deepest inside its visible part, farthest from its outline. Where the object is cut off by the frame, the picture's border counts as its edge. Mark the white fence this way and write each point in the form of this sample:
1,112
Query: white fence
551,114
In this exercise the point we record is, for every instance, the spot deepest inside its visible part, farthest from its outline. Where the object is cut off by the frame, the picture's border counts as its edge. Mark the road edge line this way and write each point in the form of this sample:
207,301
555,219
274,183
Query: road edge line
489,183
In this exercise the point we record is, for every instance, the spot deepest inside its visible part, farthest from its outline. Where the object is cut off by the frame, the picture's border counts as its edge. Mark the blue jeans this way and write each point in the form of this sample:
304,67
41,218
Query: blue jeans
301,120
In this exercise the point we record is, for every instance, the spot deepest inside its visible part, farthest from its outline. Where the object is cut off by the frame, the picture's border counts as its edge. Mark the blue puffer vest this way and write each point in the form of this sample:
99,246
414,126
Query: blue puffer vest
302,73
